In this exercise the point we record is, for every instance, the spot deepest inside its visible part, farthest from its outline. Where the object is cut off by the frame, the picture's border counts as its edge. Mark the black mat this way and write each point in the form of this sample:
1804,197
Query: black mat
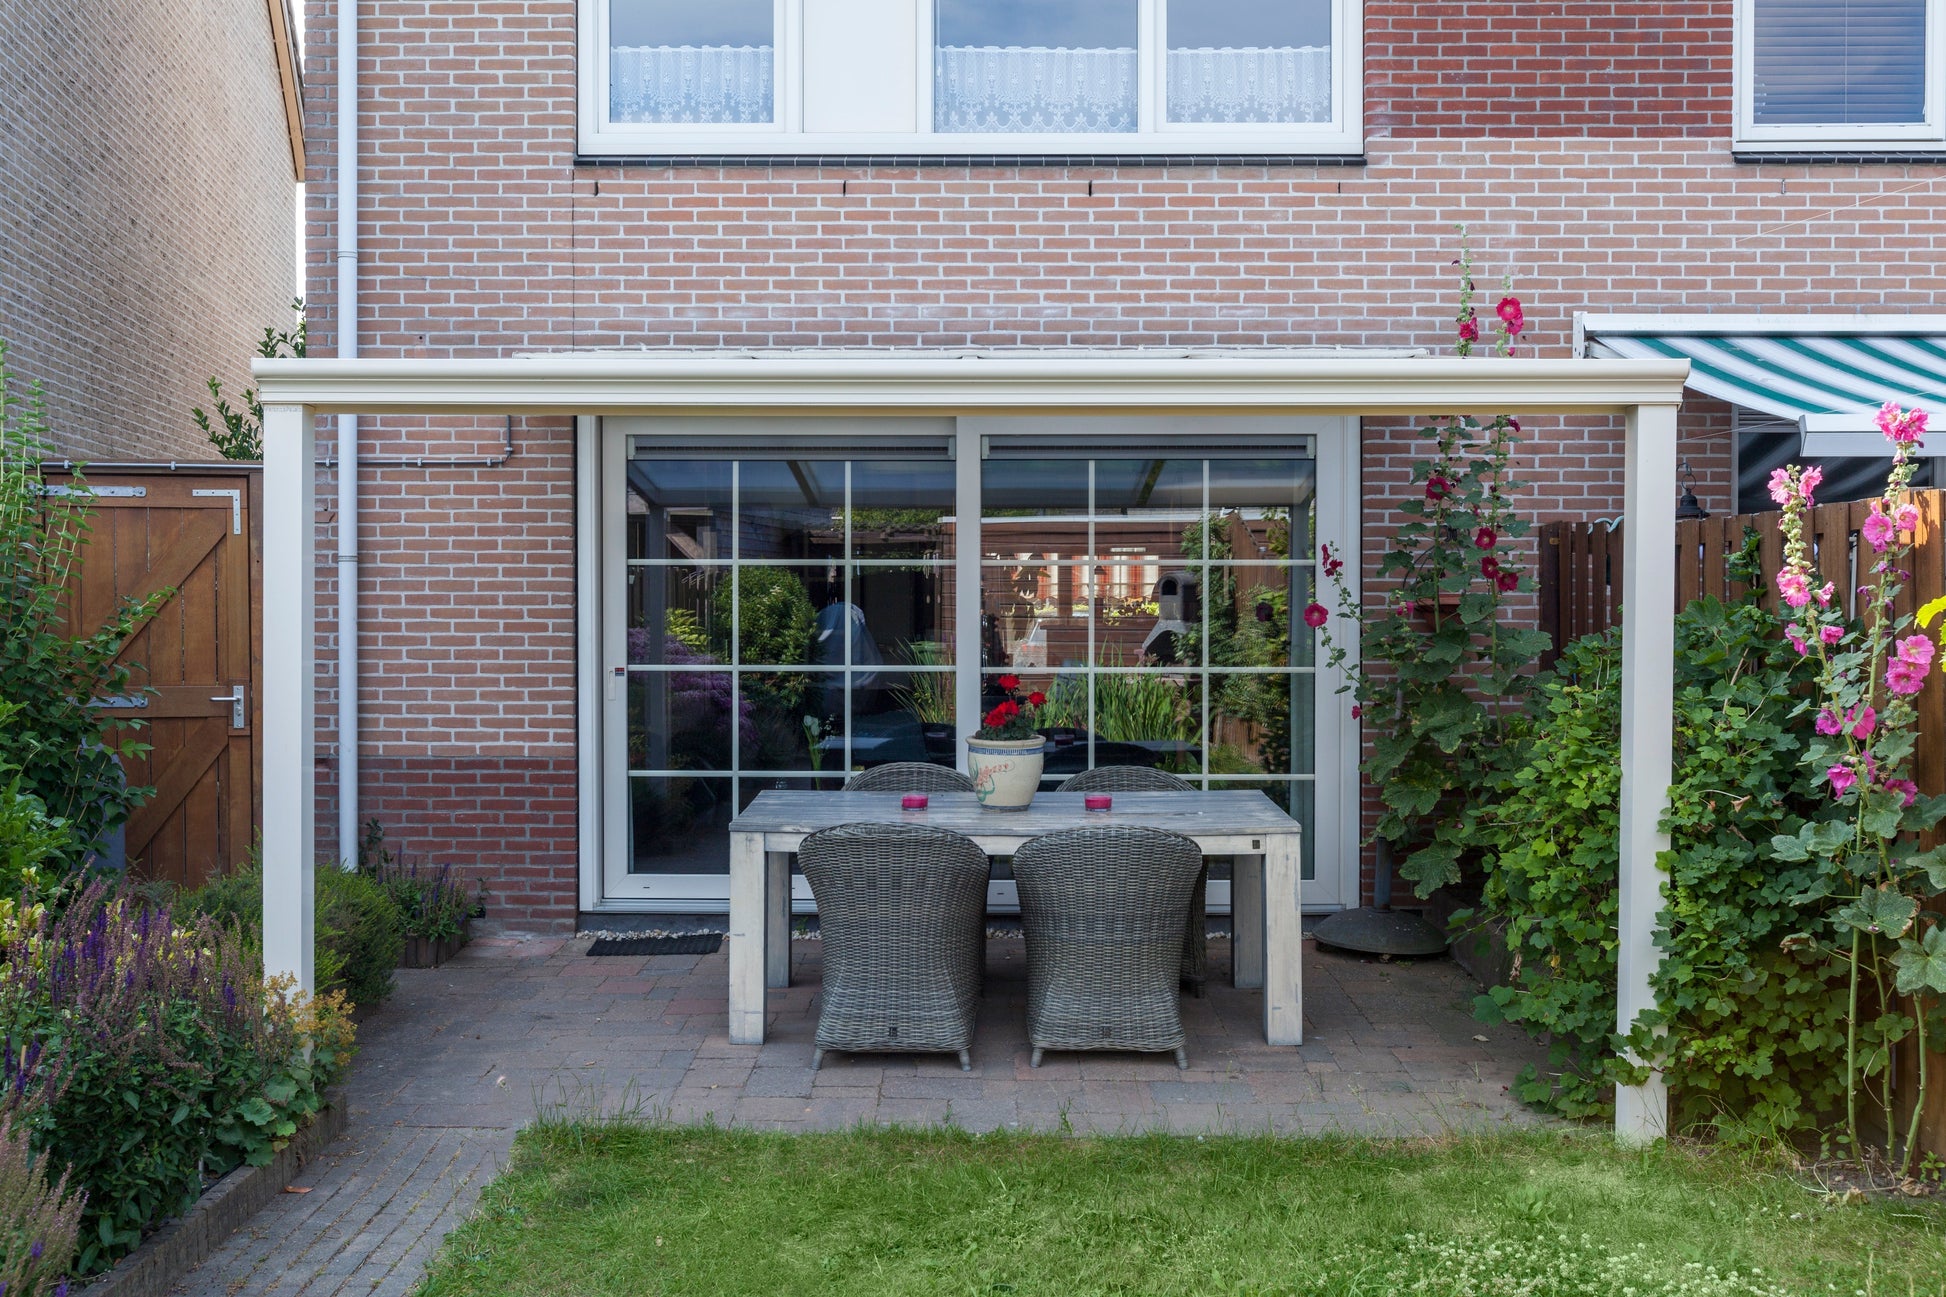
689,943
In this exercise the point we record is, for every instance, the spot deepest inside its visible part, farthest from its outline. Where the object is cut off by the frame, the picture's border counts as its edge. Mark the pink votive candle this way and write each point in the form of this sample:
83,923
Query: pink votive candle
1099,801
913,801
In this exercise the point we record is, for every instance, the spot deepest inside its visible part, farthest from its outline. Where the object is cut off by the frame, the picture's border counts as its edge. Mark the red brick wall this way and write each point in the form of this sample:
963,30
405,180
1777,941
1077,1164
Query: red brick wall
1598,190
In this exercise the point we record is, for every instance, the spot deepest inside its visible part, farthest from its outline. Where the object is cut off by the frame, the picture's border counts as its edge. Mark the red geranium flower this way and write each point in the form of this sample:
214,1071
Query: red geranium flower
1316,615
994,718
1506,581
1009,709
1485,538
1510,314
1009,683
1037,699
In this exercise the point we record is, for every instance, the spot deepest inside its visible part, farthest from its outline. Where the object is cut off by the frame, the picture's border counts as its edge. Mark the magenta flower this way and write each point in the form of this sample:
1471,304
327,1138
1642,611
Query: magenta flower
1830,634
1916,649
1510,315
1877,530
1438,488
1485,538
1807,482
1469,330
1489,567
1866,722
1315,615
1356,711
1823,595
1796,591
1906,673
1828,723
1904,427
1905,786
1506,582
1797,642
1781,489
1841,779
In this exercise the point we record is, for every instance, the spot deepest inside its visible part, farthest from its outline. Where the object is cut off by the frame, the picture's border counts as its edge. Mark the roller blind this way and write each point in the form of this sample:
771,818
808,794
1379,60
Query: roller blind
1838,62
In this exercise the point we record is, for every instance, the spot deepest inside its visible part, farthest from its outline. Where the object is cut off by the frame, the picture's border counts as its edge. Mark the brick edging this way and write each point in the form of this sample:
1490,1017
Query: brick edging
154,1268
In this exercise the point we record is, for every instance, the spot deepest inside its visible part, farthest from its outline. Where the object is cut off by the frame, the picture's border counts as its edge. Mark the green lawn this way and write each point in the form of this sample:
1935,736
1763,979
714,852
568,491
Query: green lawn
619,1209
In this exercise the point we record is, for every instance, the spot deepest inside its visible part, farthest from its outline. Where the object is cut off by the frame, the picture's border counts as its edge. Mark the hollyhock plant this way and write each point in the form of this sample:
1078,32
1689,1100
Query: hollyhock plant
1315,615
1510,315
1869,672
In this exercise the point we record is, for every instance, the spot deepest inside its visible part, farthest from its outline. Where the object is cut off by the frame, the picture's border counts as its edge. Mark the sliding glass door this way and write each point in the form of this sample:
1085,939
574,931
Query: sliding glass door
779,613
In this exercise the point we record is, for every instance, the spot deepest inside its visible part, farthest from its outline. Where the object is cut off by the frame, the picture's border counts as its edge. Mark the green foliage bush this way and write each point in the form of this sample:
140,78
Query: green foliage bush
359,937
56,747
1751,1026
145,1055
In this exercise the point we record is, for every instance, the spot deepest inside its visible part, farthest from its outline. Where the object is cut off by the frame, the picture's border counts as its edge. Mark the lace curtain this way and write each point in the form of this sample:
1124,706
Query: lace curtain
1288,84
1018,89
691,83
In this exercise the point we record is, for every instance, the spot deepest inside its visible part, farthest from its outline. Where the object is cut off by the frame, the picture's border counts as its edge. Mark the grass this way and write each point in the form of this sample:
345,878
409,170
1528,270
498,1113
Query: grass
620,1208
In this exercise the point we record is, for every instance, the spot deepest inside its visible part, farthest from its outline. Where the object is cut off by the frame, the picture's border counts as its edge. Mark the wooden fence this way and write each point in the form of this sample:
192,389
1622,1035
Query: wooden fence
1580,567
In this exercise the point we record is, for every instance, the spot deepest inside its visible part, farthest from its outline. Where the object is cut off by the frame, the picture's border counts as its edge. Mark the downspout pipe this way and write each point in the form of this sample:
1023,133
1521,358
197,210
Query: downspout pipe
347,529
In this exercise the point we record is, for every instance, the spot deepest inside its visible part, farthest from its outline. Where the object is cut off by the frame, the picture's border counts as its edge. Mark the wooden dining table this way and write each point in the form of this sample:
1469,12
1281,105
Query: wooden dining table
1265,901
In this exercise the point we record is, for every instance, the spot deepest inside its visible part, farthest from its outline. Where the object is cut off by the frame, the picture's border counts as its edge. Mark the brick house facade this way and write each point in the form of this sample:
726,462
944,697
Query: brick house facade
148,212
1588,151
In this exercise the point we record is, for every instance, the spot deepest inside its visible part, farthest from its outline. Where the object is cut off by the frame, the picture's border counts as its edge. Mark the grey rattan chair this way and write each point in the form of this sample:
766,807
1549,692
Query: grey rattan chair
1147,779
1103,910
909,777
902,910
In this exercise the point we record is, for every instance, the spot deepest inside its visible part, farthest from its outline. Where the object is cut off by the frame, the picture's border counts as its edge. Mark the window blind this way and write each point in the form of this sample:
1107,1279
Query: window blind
1838,62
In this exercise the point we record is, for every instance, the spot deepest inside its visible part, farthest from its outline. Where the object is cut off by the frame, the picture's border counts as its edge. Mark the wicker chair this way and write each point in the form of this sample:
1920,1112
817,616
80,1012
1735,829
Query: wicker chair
902,910
1147,779
909,777
1104,911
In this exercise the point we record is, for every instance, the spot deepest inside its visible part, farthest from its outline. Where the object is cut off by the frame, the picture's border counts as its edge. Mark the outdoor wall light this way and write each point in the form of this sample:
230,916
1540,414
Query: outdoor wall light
1688,507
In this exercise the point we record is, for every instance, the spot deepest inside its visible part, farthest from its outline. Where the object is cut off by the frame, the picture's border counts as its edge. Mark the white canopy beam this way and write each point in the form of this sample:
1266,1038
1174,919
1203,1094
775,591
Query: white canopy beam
842,383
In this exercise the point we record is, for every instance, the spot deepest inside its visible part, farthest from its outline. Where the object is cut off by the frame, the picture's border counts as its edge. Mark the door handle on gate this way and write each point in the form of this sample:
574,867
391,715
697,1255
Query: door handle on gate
238,718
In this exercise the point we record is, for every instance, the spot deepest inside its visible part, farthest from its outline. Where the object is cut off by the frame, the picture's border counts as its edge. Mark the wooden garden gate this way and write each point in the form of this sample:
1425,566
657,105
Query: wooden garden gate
196,664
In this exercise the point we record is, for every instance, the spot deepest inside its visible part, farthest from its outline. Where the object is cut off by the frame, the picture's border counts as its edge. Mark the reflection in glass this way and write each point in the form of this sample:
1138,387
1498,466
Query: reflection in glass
1138,485
777,621
678,509
1254,611
679,824
792,509
792,720
1018,66
678,613
681,719
1249,60
1268,505
903,716
675,61
1035,615
898,607
1262,723
901,509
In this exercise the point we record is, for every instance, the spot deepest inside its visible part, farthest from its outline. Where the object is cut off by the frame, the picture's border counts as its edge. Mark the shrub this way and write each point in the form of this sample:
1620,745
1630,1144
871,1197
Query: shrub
38,1221
359,939
30,839
1751,1026
57,747
153,1051
433,902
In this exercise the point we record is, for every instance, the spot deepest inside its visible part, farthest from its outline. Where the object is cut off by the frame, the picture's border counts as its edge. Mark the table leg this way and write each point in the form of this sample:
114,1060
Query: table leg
749,916
1283,941
777,938
1247,922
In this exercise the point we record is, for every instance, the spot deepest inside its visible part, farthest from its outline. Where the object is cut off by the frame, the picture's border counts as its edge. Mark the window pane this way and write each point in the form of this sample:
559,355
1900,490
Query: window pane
1251,621
677,61
1268,504
792,509
1249,60
1853,62
679,825
1262,724
678,614
1148,718
678,508
791,720
900,618
1034,615
1034,66
777,618
902,508
680,720
902,716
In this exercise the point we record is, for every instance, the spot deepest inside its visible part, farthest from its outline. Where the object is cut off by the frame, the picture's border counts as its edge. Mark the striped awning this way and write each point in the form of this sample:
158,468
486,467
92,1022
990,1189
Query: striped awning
1828,374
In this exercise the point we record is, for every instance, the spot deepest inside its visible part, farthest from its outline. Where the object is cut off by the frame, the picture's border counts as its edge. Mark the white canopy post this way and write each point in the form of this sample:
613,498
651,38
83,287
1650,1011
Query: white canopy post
1648,736
290,693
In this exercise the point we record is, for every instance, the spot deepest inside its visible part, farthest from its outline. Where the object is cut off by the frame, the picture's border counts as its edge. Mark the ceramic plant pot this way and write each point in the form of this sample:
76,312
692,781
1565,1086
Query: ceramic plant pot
1005,772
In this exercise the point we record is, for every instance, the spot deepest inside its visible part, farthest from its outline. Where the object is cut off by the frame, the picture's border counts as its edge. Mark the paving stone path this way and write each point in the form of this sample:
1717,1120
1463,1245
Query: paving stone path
464,1055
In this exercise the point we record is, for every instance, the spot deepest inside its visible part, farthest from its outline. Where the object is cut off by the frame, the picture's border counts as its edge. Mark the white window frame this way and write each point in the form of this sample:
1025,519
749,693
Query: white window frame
598,137
1796,138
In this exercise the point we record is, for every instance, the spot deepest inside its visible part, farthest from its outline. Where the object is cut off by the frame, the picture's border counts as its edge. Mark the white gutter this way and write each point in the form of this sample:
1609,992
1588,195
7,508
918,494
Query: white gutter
348,436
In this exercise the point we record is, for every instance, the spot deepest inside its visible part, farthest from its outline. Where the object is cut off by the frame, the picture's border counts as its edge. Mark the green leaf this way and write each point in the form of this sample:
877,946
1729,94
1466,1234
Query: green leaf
1922,963
1880,911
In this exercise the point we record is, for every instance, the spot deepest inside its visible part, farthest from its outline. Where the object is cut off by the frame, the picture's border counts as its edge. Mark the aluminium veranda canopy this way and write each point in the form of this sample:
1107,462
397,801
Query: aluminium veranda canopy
859,383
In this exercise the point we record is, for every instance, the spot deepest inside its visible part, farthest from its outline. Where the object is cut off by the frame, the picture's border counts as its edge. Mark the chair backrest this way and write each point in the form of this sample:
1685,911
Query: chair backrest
1126,779
1130,882
909,777
880,886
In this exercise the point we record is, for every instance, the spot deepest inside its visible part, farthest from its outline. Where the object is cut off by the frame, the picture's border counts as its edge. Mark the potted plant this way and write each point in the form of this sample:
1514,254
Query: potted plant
1004,756
435,908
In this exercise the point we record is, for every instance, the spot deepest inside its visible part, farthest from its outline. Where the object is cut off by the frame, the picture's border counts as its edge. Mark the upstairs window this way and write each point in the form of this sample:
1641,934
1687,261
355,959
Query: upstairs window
1845,74
959,77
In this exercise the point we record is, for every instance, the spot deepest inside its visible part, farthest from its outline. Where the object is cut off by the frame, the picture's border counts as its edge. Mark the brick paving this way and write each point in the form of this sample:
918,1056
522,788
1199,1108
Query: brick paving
464,1055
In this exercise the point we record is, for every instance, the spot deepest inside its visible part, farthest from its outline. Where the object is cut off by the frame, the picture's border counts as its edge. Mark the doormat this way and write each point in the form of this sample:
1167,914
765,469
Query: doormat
689,943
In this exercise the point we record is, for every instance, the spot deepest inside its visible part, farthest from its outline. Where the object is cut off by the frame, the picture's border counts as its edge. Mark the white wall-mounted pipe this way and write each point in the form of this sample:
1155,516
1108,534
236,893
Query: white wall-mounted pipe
347,551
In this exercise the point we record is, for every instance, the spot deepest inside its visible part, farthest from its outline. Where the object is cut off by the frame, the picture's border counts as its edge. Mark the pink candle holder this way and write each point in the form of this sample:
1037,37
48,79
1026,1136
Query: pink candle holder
1098,801
913,801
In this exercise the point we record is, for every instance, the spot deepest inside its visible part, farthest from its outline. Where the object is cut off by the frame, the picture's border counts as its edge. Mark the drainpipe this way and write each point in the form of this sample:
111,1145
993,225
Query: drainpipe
348,436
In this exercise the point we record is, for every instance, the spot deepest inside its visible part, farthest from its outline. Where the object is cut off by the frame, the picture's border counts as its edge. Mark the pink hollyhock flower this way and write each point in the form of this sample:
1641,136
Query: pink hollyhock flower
1357,711
1823,595
1489,567
1469,330
1510,315
1438,488
1906,674
1906,517
1485,538
1315,615
1866,722
1905,786
1916,649
1798,643
1877,530
1796,591
1506,581
1831,635
1904,427
1780,486
1841,779
1808,481
1828,723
